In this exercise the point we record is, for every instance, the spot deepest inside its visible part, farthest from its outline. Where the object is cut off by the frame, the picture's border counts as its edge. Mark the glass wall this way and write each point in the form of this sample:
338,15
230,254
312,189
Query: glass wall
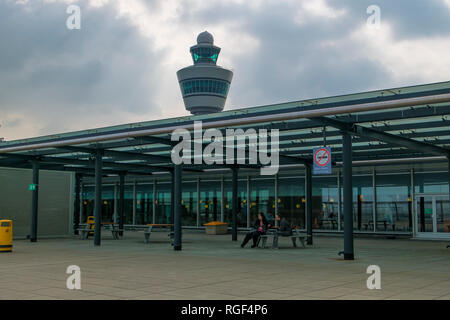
144,203
363,206
107,203
242,202
189,204
431,182
210,201
291,195
325,199
262,198
394,206
163,203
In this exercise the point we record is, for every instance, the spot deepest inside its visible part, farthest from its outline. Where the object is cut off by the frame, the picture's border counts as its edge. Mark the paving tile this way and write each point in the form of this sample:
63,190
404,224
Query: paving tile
216,268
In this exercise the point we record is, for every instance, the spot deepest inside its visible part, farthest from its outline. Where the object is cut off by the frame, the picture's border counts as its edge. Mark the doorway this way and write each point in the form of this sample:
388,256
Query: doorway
432,216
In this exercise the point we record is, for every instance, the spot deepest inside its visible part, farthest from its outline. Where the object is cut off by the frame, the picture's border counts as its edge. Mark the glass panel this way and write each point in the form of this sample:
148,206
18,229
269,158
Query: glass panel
107,203
242,202
394,209
163,203
325,203
425,214
262,199
443,214
362,202
291,192
144,203
189,204
205,86
431,182
210,201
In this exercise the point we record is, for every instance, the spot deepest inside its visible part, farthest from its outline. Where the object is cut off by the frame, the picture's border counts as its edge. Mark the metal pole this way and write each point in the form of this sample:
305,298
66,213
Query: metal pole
348,197
276,197
339,199
222,200
134,201
235,203
116,204
449,177
177,204
81,201
76,210
308,196
374,203
249,200
121,202
198,202
34,202
172,198
98,198
155,182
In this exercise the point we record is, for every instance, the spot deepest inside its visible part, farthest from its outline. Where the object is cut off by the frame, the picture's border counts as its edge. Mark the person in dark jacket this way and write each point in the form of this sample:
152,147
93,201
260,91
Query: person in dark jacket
285,227
259,228
284,230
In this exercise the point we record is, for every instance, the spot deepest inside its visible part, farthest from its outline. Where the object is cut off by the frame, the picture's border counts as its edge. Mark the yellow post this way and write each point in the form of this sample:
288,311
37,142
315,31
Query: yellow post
6,235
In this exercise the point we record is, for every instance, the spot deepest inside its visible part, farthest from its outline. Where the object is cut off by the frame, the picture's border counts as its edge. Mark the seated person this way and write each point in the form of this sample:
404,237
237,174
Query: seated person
260,227
285,227
270,220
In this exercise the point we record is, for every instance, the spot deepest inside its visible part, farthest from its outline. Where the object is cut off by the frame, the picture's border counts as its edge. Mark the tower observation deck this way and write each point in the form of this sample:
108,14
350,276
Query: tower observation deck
204,85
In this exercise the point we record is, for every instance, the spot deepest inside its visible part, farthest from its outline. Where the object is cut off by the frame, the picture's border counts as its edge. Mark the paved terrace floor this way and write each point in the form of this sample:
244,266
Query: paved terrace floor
214,267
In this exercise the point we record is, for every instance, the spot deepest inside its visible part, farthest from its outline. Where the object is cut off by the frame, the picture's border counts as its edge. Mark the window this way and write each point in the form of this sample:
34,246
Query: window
205,86
205,55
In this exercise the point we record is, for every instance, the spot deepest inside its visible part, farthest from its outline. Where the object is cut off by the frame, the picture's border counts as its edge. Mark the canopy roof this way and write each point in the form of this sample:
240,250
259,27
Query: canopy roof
401,123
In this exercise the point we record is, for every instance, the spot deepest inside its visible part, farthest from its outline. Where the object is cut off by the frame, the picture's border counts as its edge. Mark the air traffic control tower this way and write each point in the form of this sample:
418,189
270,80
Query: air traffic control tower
204,85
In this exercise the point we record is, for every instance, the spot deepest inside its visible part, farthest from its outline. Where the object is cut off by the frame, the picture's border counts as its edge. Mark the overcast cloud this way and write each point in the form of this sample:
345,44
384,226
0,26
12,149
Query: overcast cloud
120,67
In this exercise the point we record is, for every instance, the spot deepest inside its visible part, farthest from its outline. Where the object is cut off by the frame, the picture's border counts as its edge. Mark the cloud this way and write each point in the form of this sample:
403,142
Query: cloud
121,66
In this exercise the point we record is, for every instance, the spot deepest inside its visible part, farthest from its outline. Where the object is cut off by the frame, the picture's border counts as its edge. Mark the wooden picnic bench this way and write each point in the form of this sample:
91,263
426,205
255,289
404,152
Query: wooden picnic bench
384,223
275,234
89,229
158,227
331,221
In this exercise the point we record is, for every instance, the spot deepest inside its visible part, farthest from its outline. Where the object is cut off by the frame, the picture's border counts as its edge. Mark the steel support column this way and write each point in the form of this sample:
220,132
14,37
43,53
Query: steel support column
348,197
172,198
34,202
121,201
234,203
308,196
76,210
98,198
448,177
177,207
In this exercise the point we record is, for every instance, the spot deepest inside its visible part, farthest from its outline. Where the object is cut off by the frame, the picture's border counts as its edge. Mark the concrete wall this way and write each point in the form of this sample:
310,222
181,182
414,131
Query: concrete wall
54,201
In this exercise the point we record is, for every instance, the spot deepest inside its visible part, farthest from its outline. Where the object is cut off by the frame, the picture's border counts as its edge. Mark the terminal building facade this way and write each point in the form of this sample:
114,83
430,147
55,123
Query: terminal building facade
390,166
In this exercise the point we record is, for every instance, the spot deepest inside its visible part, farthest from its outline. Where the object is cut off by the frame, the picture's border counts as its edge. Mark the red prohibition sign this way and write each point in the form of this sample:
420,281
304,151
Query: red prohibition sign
322,157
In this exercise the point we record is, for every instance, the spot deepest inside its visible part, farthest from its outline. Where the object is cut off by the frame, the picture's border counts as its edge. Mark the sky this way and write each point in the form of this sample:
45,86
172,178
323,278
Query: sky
120,66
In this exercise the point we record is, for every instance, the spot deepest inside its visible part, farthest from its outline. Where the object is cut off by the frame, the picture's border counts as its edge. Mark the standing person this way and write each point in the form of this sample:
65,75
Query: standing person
260,227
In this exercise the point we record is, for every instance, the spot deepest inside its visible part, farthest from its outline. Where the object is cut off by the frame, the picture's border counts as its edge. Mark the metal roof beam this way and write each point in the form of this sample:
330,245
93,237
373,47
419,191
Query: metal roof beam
383,136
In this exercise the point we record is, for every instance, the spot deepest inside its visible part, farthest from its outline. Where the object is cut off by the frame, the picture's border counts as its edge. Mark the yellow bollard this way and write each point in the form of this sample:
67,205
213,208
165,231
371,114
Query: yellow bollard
6,235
